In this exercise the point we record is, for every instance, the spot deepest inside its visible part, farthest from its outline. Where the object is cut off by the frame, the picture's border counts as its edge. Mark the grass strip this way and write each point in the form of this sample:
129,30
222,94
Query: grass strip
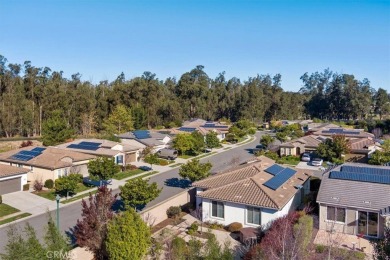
78,197
175,165
6,209
126,174
204,155
8,220
227,148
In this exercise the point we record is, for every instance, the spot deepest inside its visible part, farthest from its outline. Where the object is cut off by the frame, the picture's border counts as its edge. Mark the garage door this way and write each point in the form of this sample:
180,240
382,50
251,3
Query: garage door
10,185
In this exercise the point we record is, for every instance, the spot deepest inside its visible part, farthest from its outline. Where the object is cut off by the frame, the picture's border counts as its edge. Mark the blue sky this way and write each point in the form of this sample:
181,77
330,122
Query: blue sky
100,39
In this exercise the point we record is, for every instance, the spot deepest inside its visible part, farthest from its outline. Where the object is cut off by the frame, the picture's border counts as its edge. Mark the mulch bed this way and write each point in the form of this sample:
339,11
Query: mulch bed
168,221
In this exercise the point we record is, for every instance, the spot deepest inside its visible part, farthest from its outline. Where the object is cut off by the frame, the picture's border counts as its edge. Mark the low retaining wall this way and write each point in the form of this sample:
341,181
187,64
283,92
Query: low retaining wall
157,213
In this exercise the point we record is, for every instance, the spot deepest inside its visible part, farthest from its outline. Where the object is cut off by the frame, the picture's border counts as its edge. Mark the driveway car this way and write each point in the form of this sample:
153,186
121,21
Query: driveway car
145,168
317,162
305,157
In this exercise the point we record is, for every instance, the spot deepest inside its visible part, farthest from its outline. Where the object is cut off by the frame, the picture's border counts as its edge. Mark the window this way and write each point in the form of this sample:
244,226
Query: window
253,215
217,209
66,171
59,173
336,214
31,168
119,159
20,165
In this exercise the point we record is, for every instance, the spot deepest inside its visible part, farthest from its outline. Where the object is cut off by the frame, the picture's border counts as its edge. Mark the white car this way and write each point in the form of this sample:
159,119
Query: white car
317,162
305,157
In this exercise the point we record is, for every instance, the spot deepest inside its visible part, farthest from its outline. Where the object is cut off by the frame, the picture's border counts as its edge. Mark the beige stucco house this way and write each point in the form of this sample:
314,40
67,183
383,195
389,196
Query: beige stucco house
45,163
298,146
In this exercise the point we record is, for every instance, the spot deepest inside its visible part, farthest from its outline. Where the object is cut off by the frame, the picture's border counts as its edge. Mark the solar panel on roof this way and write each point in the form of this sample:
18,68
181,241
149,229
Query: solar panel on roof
90,143
187,129
21,157
142,134
30,153
274,169
278,180
38,149
365,170
363,177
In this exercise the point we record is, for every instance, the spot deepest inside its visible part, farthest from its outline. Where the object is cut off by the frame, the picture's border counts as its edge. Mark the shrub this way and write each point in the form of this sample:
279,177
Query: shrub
214,225
26,143
49,183
1,199
173,212
77,177
26,187
38,185
179,248
163,162
252,131
193,228
234,227
320,249
129,167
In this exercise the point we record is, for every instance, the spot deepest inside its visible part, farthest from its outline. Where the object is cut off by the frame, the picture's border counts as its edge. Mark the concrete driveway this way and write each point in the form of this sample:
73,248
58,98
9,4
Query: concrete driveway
27,202
306,165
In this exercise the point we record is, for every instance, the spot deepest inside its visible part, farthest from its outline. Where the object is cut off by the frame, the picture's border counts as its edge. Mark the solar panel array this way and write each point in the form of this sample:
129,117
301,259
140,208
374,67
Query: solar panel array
187,129
340,131
365,170
90,146
27,155
142,134
274,169
363,177
363,174
278,180
208,125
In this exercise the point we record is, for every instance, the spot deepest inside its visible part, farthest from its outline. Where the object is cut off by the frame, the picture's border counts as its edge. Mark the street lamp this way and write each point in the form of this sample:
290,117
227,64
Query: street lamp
58,211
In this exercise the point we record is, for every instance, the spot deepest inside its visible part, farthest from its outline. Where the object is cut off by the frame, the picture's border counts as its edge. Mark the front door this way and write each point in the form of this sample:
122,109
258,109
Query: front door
367,223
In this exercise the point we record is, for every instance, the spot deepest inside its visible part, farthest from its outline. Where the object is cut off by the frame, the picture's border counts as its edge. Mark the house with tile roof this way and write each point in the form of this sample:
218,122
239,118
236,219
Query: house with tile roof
354,199
123,154
203,127
12,178
254,194
145,138
298,146
45,163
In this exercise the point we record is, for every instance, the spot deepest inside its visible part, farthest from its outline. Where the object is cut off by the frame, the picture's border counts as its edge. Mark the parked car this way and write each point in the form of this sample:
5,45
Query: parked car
170,154
305,157
317,162
145,168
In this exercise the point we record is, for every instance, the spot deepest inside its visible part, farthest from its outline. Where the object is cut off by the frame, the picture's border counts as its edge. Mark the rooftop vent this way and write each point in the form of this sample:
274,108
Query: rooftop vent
366,202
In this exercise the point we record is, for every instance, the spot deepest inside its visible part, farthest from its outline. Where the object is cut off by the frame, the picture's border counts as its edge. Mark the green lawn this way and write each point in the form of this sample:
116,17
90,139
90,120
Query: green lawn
47,194
7,210
125,174
186,156
289,160
175,165
78,197
227,148
7,220
51,194
145,175
204,155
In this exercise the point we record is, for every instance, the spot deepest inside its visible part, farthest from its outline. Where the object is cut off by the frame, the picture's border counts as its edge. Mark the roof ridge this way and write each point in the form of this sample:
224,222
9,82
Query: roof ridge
231,171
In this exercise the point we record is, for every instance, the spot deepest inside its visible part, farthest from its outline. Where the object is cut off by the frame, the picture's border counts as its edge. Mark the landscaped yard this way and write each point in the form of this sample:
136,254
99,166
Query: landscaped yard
186,156
7,210
7,220
51,194
293,160
78,197
126,174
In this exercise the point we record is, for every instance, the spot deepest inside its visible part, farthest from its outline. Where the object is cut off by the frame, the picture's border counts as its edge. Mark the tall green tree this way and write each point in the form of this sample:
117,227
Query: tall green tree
334,148
102,168
198,143
194,170
128,237
56,130
138,192
212,140
119,121
151,158
182,143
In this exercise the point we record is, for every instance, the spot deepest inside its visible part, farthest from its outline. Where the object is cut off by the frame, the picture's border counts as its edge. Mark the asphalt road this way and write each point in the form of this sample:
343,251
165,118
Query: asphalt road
72,212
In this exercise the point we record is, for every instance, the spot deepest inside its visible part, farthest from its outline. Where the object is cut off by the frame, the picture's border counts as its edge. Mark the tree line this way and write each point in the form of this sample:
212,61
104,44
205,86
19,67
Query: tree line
29,96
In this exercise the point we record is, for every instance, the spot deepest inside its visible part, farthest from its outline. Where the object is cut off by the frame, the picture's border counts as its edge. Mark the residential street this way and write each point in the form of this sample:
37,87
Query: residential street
70,213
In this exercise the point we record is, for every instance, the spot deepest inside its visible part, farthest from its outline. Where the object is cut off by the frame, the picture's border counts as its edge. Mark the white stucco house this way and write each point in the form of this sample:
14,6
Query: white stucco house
253,194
